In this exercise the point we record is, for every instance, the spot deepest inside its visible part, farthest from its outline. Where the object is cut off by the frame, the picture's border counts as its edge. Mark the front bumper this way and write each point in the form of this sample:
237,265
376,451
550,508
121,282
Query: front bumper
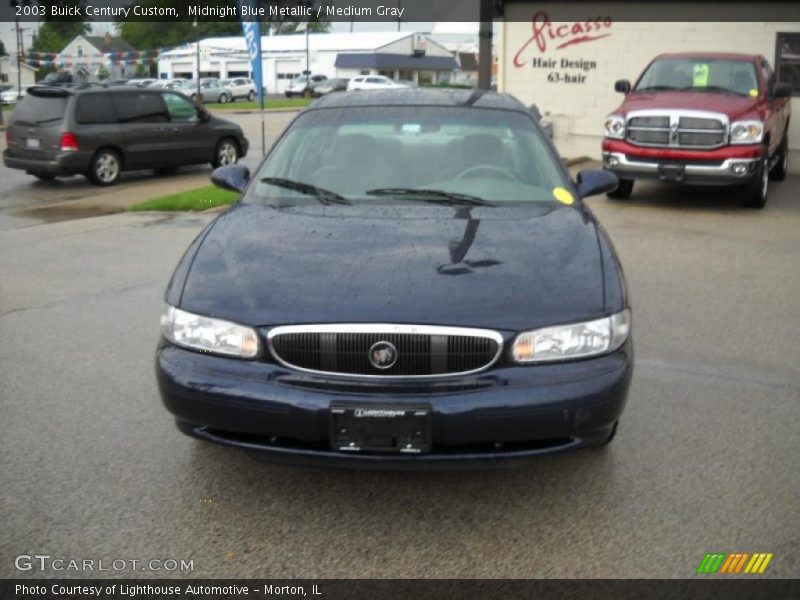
730,165
505,414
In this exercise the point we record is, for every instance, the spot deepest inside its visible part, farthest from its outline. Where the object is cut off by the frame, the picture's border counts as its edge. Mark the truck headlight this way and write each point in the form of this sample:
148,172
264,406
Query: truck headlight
747,132
207,334
577,340
615,127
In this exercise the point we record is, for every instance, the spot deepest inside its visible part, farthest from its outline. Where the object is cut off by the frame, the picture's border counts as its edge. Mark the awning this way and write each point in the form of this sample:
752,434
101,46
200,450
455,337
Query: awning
405,62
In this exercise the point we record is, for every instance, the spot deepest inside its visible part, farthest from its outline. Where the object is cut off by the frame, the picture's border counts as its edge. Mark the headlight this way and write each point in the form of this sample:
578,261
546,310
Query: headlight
208,335
615,127
579,340
747,132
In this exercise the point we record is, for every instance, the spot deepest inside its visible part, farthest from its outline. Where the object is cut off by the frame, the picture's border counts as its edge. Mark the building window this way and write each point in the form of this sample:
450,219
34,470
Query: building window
363,72
787,60
386,73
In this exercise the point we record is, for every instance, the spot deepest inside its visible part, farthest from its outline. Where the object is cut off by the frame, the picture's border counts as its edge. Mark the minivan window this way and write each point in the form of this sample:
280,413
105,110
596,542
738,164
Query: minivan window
93,109
140,107
179,108
38,110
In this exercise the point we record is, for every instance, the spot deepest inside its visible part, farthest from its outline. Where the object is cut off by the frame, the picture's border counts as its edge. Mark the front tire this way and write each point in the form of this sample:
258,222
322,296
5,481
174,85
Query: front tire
755,194
226,153
623,191
778,172
105,168
251,96
223,98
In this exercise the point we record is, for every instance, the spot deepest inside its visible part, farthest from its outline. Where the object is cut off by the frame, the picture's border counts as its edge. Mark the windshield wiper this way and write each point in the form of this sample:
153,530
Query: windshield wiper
321,194
658,88
435,196
717,89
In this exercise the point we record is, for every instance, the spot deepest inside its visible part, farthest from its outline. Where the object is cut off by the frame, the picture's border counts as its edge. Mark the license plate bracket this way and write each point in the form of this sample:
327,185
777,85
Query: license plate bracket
671,172
381,429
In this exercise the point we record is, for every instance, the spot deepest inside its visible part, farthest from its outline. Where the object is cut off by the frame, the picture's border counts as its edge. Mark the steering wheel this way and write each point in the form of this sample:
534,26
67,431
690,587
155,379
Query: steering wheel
506,173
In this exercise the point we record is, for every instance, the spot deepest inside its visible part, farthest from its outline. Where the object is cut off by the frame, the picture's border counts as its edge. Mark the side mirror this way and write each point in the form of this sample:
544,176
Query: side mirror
623,86
231,177
782,90
596,181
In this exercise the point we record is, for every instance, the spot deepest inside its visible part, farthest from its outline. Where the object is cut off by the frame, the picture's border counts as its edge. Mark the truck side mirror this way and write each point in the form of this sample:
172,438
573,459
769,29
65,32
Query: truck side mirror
781,90
623,86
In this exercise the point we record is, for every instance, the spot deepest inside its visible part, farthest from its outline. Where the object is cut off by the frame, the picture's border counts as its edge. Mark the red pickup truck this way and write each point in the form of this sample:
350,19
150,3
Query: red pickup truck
701,118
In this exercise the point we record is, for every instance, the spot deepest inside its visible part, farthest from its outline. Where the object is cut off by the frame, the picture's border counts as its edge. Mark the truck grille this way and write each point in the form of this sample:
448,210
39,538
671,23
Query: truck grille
380,350
678,131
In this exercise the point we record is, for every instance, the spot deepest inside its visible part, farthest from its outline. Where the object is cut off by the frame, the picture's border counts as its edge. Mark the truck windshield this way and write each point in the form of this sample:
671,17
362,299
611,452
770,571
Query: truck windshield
701,75
495,155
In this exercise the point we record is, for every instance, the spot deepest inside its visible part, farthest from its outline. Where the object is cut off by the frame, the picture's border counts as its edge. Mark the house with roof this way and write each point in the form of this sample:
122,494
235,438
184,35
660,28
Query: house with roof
399,55
467,73
85,57
9,72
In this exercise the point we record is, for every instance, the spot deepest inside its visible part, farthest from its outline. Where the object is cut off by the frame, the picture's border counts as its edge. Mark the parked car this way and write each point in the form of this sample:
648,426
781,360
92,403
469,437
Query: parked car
374,82
240,87
100,132
168,84
326,86
58,78
209,90
452,301
13,94
141,82
704,118
302,84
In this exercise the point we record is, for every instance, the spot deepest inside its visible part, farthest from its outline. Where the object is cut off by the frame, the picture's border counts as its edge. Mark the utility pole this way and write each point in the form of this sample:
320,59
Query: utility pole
485,45
197,57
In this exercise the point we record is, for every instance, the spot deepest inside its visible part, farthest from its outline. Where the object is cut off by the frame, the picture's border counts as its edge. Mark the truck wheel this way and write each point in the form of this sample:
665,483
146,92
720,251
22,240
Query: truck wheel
778,172
623,191
105,168
755,194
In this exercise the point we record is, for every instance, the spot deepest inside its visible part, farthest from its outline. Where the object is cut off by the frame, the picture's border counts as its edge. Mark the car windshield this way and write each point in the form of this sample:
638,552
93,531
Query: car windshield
493,155
701,75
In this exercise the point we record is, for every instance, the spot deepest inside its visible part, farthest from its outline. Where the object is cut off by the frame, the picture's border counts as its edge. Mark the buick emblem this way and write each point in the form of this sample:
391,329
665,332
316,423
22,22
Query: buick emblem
383,355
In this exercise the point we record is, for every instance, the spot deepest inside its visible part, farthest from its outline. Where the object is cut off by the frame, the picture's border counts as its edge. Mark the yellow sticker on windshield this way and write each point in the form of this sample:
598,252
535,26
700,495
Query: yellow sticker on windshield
753,92
563,195
700,75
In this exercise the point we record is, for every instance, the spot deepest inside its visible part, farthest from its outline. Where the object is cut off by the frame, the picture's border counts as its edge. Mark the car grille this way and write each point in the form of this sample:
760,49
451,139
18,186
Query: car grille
677,131
421,351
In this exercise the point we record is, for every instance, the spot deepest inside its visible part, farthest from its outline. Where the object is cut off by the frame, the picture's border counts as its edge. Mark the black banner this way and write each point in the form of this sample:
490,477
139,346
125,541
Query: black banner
390,589
384,10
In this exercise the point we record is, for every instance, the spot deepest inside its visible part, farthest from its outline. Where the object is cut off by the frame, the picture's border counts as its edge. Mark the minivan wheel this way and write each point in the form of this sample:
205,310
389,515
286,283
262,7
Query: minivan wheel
251,96
226,153
105,168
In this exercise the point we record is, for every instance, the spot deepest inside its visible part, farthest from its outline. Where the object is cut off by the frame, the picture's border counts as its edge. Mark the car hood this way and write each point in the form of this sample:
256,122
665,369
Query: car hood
731,105
510,268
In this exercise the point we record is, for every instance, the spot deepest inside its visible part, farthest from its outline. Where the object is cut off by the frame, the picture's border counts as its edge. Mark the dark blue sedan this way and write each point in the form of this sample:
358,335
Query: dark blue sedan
409,279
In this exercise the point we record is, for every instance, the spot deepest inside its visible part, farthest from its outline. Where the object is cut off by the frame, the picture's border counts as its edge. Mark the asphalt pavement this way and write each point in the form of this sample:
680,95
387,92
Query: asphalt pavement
706,459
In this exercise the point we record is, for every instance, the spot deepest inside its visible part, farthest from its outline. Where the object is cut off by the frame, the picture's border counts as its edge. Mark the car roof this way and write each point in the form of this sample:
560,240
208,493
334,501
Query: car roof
420,97
52,90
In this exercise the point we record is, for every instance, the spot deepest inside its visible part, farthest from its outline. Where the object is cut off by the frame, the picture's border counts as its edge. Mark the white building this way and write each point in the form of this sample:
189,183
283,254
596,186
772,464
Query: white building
8,72
571,73
400,55
87,57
